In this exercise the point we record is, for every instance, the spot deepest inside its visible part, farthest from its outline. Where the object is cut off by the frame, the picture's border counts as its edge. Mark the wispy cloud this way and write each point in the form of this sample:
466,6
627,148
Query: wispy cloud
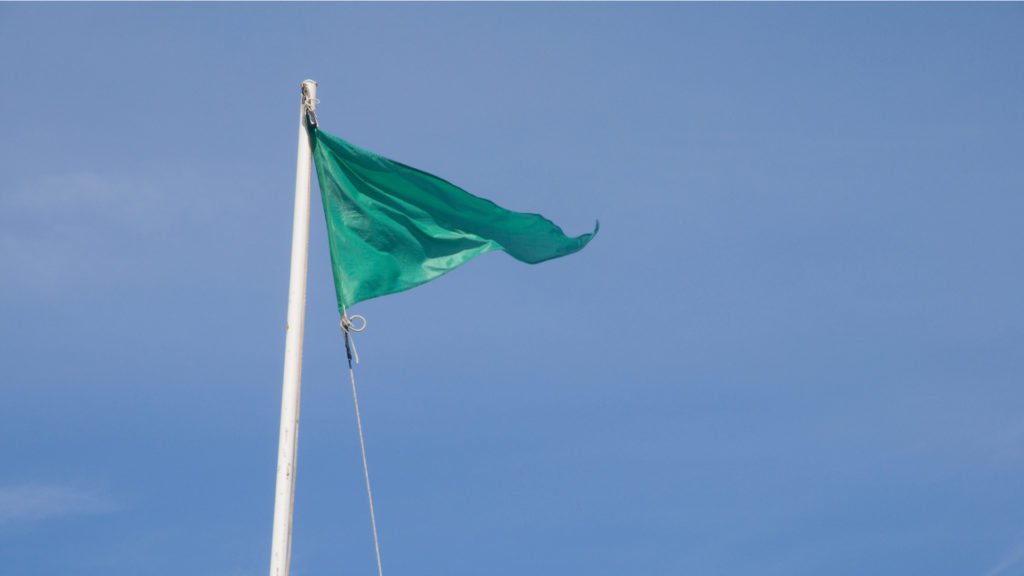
64,228
1013,558
24,503
85,229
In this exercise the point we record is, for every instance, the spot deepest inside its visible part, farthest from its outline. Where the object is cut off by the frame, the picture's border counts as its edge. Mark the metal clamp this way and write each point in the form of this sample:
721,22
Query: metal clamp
309,103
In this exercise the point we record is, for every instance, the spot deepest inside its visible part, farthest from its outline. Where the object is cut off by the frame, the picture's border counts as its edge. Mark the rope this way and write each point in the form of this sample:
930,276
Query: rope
346,327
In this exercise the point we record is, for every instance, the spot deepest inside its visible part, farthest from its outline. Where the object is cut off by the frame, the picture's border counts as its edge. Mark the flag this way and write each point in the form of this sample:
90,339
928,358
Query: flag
392,227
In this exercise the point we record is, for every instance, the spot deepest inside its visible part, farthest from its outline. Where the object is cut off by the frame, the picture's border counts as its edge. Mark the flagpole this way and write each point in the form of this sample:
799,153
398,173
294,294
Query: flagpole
284,499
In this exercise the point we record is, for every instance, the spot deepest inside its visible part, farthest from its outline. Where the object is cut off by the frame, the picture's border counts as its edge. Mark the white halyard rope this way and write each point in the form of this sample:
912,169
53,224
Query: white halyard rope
350,346
366,470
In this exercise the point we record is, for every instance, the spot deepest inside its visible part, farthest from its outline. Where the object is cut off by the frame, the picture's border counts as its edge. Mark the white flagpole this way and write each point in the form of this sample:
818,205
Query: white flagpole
284,499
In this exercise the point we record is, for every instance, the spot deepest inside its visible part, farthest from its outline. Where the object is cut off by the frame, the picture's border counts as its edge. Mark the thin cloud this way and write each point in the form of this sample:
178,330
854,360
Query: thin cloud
86,201
88,228
1012,559
37,502
63,229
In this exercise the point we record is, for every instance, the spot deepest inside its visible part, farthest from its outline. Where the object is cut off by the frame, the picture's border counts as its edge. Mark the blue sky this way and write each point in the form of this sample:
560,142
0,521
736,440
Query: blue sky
794,348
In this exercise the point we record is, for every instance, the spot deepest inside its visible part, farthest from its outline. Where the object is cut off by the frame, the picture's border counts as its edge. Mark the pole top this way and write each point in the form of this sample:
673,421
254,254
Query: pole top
309,101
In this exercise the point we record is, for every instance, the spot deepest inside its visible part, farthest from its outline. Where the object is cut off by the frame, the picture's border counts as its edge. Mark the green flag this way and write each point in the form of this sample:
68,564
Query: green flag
392,227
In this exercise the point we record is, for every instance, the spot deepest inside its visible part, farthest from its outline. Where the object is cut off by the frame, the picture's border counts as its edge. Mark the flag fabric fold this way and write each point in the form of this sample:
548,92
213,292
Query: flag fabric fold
392,227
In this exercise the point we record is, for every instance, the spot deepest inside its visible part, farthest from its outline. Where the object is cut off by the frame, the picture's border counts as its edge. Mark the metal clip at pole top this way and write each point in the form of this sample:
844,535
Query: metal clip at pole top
309,103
